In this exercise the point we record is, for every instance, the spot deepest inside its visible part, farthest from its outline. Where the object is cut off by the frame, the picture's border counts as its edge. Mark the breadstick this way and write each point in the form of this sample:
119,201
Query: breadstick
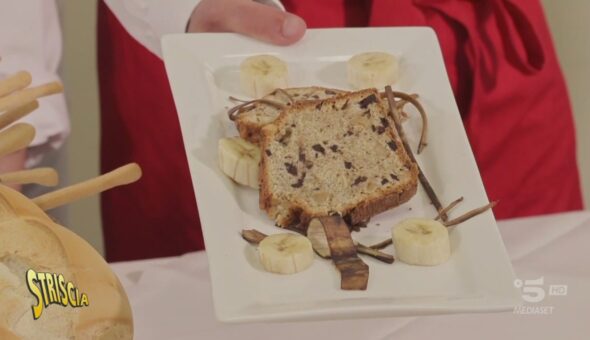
19,98
15,138
43,176
121,176
15,82
18,113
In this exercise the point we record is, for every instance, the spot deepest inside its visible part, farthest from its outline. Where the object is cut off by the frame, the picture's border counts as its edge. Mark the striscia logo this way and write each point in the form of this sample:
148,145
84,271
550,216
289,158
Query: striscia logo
51,288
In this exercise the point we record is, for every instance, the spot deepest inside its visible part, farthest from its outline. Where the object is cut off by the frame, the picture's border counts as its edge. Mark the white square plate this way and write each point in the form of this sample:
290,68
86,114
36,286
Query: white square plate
203,72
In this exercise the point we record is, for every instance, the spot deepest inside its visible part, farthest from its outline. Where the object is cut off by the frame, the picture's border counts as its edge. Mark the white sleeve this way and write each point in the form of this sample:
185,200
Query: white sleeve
30,39
149,20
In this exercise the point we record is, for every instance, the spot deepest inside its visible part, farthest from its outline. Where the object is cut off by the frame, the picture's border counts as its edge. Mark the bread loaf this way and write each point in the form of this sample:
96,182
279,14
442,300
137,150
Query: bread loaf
339,155
29,239
252,119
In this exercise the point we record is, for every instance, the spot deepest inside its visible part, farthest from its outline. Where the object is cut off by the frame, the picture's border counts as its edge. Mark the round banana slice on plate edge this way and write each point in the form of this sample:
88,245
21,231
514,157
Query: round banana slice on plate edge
423,242
239,160
262,74
285,253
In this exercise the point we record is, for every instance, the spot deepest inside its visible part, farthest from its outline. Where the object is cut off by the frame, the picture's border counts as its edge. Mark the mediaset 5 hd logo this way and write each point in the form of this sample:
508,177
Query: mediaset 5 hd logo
52,288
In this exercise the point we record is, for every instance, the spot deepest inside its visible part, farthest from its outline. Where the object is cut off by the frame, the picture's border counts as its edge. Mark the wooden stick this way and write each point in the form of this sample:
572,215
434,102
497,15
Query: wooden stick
44,176
379,255
235,111
18,113
410,99
400,105
382,244
449,207
15,138
15,82
423,180
286,94
470,214
121,176
20,98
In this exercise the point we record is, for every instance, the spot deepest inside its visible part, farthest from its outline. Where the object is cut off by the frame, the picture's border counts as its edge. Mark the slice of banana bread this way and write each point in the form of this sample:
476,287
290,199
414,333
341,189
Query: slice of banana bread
339,155
251,120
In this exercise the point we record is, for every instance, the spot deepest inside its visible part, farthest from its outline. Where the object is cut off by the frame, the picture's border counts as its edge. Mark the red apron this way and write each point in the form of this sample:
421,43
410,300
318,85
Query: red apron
156,216
502,68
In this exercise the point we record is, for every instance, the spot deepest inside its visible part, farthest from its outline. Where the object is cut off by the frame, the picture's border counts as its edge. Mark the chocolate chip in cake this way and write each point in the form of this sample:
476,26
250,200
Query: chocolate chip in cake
345,105
359,180
292,169
301,156
319,148
394,177
384,122
347,164
392,145
363,104
348,133
334,148
384,181
367,114
268,153
380,130
299,182
284,140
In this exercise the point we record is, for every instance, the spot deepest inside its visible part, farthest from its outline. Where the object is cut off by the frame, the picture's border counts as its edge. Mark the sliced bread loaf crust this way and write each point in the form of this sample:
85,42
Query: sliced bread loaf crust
251,120
339,155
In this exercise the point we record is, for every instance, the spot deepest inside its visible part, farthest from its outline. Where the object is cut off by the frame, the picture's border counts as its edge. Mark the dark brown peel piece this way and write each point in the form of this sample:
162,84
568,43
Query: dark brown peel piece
253,236
354,273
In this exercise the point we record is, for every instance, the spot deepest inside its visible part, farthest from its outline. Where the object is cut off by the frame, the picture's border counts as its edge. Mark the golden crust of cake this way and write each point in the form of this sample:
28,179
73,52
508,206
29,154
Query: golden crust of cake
251,120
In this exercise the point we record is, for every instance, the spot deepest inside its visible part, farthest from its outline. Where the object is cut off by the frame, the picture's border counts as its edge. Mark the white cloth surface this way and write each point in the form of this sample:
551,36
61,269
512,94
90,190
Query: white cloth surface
30,39
147,21
171,297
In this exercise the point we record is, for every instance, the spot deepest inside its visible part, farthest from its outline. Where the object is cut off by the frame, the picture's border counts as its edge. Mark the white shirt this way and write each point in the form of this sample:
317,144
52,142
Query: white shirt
149,20
30,39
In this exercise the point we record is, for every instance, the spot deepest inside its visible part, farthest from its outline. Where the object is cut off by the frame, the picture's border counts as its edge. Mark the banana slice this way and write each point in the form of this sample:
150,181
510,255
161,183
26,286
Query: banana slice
262,74
372,69
285,253
317,237
239,160
422,242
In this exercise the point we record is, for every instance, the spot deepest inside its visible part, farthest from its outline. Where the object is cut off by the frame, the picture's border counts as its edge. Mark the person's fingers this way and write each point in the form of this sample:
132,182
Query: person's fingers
258,21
